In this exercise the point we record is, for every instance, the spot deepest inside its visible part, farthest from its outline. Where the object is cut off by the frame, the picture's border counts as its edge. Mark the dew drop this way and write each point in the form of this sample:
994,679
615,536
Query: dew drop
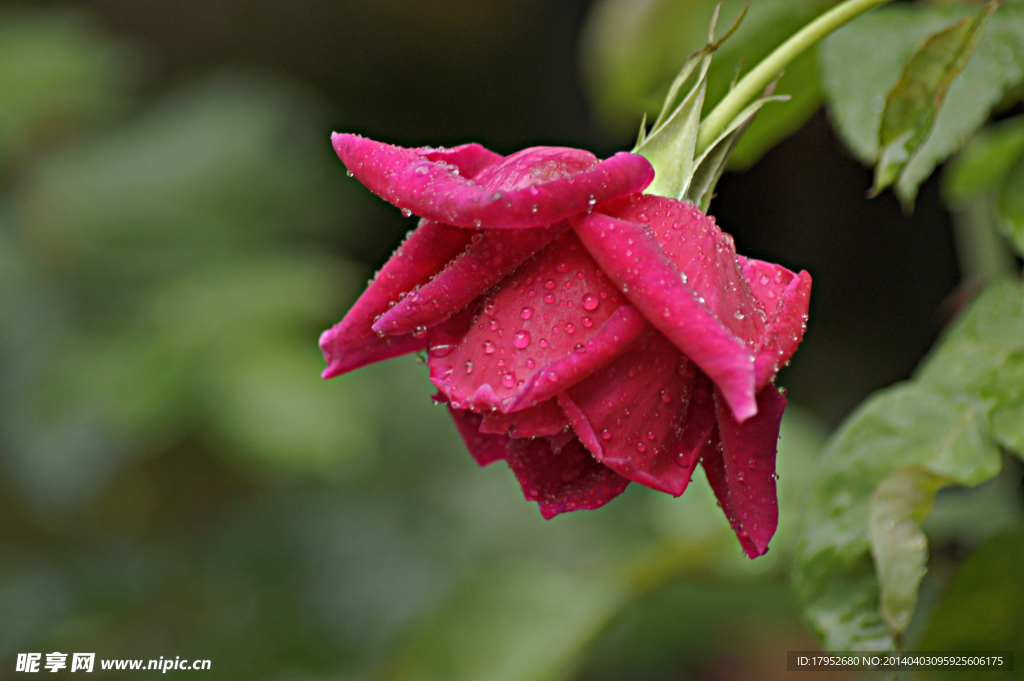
543,343
570,328
764,280
549,298
606,435
521,340
549,284
562,268
419,332
530,363
508,380
590,302
526,313
406,212
488,348
587,322
469,367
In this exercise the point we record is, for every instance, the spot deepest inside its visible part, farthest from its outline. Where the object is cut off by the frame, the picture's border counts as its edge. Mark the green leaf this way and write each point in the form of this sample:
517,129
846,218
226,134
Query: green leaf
982,608
908,425
522,623
913,104
996,68
984,351
984,162
984,355
862,62
1011,205
1008,427
899,505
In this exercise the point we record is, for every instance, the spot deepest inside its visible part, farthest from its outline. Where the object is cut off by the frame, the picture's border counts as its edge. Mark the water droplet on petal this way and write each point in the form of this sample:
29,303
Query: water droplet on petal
562,267
521,340
606,435
469,367
508,380
488,348
590,302
526,313
406,212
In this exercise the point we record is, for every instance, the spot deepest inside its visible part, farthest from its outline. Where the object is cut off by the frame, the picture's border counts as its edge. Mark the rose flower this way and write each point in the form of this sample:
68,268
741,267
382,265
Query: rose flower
586,333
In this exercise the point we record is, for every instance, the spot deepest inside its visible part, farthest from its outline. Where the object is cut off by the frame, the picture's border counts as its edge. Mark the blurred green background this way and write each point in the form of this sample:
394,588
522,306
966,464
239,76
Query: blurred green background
175,231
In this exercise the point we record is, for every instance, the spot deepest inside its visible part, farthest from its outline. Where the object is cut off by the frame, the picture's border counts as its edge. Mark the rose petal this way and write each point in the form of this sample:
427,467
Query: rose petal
352,343
492,256
486,448
704,253
409,181
565,480
545,419
785,297
636,415
629,254
552,322
470,159
743,474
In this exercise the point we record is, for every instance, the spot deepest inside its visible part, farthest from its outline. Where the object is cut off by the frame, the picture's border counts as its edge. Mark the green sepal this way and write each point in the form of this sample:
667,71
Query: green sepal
913,104
671,144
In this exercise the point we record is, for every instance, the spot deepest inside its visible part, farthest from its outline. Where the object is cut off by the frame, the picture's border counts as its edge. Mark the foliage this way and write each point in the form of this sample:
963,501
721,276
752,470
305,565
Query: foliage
862,65
862,553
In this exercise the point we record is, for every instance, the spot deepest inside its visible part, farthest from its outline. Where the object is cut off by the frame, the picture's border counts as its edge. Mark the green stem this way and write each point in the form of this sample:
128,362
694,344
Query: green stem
754,83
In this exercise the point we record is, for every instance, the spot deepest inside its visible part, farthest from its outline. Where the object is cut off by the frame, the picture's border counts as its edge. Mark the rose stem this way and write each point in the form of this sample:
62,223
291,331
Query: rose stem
754,83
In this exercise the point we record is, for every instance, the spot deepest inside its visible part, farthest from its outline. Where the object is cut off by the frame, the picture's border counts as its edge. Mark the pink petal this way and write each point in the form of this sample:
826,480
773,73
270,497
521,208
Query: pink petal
566,479
470,159
486,448
702,251
637,415
785,297
631,256
409,181
545,419
743,476
492,255
352,343
552,322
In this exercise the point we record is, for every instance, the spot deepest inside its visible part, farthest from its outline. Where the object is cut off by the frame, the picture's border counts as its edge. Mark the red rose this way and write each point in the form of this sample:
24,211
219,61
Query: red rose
586,333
